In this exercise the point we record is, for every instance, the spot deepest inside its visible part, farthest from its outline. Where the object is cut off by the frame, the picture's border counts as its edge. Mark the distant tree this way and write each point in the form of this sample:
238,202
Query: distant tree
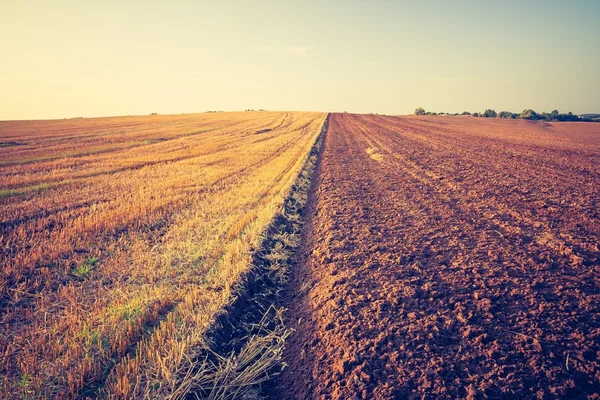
419,111
570,117
476,114
507,114
489,113
553,116
529,114
465,113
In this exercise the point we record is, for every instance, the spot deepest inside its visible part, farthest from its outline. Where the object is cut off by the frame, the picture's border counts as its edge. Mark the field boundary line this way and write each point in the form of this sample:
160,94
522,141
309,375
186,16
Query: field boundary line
245,343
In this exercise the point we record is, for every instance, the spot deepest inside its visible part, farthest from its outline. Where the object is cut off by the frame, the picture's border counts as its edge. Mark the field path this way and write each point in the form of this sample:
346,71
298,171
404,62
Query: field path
449,257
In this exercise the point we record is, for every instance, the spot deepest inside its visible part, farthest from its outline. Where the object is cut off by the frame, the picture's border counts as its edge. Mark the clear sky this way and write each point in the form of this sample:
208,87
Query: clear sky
90,58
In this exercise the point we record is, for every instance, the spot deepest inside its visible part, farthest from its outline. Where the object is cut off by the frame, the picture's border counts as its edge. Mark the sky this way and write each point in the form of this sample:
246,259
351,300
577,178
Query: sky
64,59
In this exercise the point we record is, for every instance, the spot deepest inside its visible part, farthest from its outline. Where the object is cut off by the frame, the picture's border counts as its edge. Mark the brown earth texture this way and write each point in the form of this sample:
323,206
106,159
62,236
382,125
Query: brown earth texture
449,257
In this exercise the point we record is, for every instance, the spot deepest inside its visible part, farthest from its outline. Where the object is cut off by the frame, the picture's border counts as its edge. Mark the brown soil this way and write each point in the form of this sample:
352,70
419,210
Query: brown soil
449,257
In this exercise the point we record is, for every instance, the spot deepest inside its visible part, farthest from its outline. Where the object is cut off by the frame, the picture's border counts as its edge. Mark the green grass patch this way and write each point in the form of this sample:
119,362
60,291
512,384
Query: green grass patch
24,190
83,271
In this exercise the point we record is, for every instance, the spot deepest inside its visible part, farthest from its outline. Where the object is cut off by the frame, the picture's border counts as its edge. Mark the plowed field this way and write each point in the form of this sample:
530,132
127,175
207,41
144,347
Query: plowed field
449,257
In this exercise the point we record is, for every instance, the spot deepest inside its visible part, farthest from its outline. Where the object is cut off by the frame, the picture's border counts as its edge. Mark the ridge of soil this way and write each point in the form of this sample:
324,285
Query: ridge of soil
448,258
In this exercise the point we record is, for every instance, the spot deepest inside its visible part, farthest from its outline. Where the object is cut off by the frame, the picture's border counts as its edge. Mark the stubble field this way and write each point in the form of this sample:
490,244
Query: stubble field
121,239
449,257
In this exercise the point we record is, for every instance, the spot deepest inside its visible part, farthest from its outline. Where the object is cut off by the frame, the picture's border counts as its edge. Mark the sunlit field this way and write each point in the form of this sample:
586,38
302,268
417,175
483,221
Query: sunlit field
121,238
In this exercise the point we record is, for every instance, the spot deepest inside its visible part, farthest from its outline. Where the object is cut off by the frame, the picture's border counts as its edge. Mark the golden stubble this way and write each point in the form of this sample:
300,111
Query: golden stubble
123,237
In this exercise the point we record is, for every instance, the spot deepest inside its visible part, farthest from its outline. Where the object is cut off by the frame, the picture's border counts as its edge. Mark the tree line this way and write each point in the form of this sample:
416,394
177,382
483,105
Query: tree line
525,114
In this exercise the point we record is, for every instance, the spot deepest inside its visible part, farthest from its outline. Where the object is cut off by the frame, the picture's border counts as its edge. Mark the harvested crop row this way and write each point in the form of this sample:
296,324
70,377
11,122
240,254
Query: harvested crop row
449,258
122,237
